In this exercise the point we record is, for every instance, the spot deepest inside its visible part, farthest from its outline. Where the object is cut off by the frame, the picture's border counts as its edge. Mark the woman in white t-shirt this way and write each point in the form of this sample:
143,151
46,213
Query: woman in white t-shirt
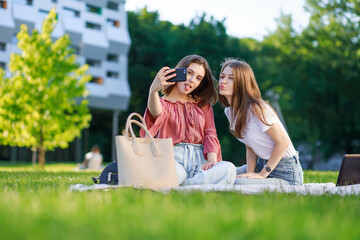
270,155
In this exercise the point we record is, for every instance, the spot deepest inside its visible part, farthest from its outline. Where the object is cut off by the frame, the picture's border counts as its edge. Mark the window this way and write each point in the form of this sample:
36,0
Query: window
3,4
113,5
93,26
25,2
69,12
97,80
93,9
93,62
113,23
112,57
44,13
111,74
2,46
2,65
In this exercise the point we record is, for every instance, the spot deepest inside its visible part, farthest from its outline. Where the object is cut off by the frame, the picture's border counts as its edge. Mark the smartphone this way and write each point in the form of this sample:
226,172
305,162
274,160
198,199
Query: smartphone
180,75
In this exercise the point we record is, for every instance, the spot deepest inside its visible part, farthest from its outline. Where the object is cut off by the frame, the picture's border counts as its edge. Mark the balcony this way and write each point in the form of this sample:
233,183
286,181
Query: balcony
95,44
112,95
24,14
73,26
7,25
119,39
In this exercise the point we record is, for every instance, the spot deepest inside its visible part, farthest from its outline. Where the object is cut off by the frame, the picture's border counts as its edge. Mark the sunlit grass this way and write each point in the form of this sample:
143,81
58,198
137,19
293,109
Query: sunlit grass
49,167
320,176
39,205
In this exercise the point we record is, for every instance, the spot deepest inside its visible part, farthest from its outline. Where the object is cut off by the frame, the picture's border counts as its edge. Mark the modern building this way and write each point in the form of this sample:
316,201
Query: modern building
99,33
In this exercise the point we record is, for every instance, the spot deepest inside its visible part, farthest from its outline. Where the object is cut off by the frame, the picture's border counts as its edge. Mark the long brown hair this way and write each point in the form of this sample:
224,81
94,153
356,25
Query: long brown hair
246,96
206,91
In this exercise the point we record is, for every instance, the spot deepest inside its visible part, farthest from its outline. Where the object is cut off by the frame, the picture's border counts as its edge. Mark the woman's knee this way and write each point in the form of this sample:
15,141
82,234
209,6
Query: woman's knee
228,169
241,170
180,172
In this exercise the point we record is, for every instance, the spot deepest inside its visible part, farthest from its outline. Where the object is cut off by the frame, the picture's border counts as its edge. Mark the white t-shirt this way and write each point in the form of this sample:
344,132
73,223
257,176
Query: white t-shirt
94,160
256,136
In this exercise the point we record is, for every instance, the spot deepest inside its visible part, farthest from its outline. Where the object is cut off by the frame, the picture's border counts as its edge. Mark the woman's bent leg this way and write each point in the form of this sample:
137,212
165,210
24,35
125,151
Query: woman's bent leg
241,170
180,172
266,181
222,173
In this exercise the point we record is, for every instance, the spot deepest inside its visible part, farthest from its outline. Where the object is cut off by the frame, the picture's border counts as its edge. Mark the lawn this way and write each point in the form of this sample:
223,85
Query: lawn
38,205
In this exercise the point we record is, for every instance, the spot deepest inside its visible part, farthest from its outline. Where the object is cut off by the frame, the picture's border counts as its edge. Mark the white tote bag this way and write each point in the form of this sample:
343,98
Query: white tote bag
145,162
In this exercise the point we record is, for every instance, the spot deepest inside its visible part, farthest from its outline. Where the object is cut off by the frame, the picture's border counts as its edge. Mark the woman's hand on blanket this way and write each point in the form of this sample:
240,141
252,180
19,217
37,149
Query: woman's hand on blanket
251,175
208,165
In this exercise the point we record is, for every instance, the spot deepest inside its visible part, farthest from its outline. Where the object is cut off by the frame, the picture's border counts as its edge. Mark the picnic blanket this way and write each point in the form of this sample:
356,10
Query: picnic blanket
306,189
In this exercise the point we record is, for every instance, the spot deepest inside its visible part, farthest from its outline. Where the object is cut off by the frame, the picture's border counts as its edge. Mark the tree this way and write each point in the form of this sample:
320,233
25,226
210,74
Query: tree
43,104
331,50
317,71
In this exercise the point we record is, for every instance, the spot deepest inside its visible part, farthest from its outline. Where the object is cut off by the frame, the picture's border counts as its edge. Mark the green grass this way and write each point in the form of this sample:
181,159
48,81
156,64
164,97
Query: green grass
38,205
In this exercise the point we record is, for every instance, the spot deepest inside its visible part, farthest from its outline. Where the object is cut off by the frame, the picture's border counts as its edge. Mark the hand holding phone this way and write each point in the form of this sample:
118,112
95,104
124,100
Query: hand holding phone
180,75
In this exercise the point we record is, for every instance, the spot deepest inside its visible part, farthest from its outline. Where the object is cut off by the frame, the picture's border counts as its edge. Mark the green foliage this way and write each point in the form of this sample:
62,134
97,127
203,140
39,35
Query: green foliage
43,104
318,69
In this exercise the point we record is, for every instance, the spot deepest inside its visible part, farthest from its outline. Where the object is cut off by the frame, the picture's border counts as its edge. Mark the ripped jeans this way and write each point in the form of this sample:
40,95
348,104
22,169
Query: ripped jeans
287,172
189,159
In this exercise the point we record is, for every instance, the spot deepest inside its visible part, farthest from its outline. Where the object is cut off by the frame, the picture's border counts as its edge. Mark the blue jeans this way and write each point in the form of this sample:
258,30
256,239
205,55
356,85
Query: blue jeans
189,159
287,172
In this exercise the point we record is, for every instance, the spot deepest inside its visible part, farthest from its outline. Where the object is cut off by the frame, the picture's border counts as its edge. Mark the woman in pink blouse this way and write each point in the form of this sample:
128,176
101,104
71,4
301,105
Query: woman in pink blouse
184,113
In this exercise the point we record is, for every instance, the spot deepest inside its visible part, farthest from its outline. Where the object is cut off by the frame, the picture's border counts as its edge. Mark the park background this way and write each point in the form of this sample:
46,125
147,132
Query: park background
315,74
312,74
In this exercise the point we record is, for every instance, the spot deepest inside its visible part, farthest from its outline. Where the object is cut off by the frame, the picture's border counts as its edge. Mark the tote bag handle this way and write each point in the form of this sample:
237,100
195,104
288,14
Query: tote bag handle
154,148
130,117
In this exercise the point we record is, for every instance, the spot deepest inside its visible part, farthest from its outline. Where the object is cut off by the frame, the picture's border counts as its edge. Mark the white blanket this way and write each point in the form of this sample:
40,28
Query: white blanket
308,188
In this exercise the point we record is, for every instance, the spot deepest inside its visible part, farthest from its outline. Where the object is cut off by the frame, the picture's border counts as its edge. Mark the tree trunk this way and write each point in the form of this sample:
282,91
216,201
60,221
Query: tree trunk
34,156
41,156
41,148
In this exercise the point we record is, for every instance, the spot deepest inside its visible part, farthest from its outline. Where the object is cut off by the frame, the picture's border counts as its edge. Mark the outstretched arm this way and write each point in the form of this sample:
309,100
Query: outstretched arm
159,82
251,159
212,147
282,142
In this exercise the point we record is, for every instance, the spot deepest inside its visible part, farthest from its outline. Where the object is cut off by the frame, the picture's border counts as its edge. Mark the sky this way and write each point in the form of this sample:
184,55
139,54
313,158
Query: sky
244,18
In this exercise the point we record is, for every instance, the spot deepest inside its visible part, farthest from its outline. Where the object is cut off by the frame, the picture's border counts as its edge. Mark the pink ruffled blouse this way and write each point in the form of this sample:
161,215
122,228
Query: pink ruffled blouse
185,122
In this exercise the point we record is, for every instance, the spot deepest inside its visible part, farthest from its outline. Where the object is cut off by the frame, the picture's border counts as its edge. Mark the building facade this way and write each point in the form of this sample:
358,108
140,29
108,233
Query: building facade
99,33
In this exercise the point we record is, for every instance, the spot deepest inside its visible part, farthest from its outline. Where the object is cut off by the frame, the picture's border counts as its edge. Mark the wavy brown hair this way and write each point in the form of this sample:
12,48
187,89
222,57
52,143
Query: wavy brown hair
246,96
206,91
